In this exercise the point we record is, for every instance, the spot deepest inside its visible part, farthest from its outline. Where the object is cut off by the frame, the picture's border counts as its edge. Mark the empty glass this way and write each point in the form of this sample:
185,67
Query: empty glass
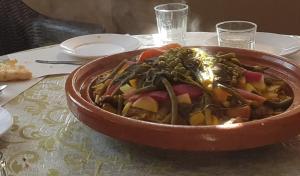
171,22
236,34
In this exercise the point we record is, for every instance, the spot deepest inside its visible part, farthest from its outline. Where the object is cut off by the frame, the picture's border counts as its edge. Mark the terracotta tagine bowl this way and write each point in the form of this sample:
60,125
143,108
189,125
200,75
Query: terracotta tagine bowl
190,138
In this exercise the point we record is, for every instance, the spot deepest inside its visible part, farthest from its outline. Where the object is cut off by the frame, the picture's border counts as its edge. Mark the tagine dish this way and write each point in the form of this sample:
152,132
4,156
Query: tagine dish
200,98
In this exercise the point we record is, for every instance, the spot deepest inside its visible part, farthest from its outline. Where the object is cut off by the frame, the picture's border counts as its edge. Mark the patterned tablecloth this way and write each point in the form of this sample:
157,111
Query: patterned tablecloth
46,139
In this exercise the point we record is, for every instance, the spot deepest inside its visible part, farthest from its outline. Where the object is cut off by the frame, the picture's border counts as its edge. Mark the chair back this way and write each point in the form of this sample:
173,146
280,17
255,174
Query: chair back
15,23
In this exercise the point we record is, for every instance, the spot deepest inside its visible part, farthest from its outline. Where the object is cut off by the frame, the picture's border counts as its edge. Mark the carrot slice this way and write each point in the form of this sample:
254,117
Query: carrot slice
220,94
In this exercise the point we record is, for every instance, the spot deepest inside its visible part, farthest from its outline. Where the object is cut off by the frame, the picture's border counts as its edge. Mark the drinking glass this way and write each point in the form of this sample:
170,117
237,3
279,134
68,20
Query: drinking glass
236,34
171,22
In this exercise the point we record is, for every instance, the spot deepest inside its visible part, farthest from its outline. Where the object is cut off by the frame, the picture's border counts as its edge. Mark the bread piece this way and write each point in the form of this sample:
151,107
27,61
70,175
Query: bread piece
10,71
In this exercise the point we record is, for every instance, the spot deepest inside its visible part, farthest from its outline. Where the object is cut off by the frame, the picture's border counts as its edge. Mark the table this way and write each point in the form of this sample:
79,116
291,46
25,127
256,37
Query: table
46,139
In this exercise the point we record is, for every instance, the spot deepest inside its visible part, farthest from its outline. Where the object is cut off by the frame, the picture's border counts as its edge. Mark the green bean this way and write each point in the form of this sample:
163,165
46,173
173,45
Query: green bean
254,68
174,103
115,70
114,75
281,104
120,104
115,89
145,89
226,56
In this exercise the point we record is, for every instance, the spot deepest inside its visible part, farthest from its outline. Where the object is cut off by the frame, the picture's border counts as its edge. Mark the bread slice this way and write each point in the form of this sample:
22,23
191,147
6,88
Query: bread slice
10,71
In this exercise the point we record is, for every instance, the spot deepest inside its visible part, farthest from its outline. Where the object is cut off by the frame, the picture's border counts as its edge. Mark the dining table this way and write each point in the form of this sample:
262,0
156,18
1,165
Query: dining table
47,139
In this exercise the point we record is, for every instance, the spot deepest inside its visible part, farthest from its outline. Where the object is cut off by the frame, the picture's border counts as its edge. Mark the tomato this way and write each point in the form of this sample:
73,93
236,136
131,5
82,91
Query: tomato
155,52
150,53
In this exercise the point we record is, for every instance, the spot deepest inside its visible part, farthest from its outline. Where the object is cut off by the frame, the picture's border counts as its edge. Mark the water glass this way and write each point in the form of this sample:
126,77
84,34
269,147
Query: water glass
171,22
236,34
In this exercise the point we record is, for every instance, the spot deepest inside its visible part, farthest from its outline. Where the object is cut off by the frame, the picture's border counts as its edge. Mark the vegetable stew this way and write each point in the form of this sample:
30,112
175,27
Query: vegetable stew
188,86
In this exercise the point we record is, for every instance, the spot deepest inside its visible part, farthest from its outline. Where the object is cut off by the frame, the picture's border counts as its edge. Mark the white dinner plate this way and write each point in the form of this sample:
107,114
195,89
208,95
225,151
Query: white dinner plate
270,43
97,45
6,120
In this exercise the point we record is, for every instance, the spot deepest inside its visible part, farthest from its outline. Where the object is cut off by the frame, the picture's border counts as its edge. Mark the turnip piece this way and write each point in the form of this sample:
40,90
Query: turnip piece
193,91
253,76
146,103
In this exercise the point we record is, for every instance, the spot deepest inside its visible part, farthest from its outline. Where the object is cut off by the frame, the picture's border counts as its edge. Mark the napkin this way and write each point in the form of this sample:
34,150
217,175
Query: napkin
38,70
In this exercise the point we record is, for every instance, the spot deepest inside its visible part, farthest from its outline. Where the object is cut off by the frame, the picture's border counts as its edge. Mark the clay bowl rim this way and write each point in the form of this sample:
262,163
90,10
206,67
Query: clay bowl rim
291,111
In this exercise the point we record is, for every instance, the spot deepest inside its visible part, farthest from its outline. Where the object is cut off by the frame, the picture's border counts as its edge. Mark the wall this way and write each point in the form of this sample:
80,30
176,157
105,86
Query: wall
90,11
137,16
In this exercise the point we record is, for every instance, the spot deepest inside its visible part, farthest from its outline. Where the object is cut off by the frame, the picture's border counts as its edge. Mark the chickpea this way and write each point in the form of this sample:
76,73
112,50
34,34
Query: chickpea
161,63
